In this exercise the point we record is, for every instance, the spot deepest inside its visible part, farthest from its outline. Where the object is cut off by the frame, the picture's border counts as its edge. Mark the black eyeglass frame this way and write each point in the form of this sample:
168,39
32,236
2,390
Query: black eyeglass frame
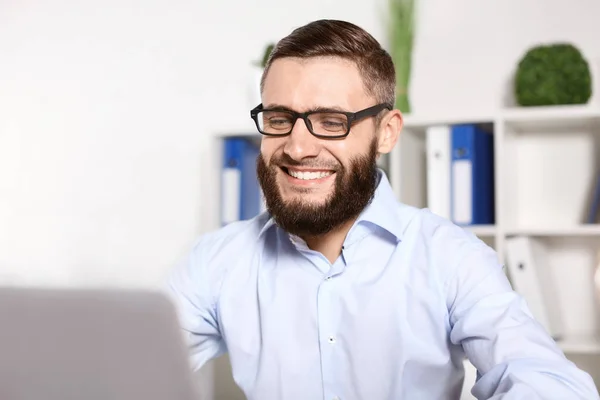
352,118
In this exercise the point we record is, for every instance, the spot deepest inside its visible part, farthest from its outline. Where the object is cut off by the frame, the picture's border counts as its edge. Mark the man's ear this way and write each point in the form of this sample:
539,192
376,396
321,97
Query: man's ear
389,131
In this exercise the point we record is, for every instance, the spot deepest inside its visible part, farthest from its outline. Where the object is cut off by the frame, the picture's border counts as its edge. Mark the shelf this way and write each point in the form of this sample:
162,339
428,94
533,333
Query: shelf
578,230
555,118
520,118
482,230
581,344
421,123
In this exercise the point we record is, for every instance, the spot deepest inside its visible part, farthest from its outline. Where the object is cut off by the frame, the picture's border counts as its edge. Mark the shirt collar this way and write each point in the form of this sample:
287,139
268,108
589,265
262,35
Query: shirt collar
381,212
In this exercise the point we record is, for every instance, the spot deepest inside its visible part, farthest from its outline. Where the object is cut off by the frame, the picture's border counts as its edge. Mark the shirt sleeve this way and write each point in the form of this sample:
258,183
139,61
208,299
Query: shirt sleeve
514,355
192,286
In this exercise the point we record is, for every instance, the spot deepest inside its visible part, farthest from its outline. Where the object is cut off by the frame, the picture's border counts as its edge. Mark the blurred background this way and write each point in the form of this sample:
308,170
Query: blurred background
115,118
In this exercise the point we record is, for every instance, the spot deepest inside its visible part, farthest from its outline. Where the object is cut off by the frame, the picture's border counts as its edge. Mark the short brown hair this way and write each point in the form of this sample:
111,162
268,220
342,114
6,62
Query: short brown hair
346,40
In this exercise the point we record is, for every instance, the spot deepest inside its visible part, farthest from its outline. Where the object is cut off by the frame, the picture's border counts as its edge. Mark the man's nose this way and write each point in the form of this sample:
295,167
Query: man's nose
300,142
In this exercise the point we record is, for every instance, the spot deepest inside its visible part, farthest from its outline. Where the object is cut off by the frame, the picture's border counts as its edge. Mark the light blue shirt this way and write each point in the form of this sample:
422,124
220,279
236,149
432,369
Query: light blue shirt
393,318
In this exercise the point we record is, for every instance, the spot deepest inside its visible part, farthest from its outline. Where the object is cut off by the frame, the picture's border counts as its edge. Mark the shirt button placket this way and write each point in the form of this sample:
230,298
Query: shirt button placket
327,338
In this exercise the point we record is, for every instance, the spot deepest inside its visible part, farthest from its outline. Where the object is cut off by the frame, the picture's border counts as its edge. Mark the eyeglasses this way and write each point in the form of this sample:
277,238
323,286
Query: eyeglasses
322,123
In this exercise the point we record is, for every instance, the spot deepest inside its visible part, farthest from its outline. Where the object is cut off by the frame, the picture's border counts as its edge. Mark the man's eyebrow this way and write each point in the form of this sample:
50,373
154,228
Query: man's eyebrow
276,106
328,109
311,109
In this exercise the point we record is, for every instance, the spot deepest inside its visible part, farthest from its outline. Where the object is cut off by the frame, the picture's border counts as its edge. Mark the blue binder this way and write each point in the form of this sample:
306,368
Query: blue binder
595,203
240,191
472,175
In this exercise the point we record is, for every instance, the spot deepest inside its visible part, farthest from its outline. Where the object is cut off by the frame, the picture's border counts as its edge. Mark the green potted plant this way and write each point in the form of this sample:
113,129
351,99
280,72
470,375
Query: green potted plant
262,63
401,27
552,74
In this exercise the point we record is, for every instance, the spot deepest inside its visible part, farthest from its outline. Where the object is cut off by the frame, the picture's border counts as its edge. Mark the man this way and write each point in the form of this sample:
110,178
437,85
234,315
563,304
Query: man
339,291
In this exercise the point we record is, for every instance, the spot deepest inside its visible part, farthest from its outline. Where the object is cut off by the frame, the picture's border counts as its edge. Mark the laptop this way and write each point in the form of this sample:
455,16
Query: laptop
92,344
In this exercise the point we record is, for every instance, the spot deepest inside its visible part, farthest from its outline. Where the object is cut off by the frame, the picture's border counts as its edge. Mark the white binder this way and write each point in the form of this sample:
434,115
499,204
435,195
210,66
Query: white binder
438,169
531,277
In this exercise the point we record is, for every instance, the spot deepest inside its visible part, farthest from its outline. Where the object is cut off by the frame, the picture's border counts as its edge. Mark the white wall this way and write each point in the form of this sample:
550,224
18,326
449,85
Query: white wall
108,112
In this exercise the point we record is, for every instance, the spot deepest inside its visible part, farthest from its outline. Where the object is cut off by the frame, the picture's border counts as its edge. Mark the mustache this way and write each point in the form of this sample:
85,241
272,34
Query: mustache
285,159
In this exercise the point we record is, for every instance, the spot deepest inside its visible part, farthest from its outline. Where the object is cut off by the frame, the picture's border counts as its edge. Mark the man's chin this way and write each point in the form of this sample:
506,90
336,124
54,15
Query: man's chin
304,201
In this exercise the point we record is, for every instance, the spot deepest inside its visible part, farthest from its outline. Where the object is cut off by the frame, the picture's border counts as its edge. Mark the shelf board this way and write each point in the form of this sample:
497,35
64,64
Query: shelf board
580,344
482,230
421,123
577,230
559,117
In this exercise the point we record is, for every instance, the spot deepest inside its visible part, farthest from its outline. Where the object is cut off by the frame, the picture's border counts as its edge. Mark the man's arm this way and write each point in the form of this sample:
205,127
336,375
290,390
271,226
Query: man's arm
192,288
515,356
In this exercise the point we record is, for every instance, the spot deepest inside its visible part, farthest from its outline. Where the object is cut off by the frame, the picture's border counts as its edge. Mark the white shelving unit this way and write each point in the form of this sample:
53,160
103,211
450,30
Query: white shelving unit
546,161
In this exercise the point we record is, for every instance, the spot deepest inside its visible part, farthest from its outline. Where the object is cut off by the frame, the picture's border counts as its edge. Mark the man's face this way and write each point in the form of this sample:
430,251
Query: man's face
313,185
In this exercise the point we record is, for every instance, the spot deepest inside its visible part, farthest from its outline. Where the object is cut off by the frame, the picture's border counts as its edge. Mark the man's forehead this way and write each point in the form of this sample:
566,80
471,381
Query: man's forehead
313,82
317,68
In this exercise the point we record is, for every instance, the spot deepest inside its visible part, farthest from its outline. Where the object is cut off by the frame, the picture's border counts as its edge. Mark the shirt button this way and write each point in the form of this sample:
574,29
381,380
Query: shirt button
331,339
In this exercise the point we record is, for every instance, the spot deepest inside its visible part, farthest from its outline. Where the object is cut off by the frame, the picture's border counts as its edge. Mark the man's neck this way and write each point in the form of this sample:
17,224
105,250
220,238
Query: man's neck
330,244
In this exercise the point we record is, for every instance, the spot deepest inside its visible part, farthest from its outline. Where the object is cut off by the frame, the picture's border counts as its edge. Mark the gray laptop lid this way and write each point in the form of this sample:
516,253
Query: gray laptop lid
91,344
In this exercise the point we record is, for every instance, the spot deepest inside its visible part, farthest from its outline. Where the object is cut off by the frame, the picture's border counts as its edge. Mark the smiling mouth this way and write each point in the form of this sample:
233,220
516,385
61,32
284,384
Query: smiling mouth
307,175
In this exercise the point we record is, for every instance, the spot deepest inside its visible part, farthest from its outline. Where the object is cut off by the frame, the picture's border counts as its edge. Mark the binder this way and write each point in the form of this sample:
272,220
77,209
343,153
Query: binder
595,202
472,175
438,170
532,278
241,196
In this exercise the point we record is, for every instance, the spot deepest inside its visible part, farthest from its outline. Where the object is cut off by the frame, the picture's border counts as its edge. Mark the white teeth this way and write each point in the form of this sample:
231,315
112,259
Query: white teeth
309,175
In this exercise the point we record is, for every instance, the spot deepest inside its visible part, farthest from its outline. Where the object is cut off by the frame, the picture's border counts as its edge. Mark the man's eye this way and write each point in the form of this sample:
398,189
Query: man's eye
332,125
278,121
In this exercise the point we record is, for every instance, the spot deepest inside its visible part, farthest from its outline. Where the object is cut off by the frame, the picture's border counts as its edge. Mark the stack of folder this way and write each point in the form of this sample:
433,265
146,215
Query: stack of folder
241,197
460,173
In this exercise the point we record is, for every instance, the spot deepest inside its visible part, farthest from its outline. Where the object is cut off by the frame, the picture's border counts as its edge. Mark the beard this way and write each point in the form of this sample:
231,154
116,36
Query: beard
353,191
